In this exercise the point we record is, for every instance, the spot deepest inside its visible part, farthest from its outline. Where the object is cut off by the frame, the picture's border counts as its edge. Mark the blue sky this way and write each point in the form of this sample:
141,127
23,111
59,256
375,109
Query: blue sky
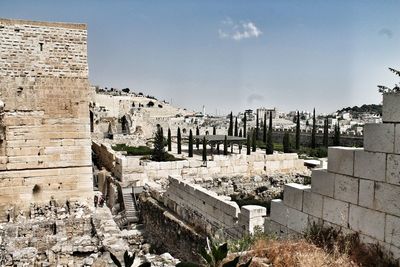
233,55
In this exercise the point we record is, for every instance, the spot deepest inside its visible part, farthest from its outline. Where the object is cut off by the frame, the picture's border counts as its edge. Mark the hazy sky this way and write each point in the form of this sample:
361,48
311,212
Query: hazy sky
233,55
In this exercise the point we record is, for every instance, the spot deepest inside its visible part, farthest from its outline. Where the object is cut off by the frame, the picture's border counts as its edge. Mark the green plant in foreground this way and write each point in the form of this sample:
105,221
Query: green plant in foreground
214,255
128,260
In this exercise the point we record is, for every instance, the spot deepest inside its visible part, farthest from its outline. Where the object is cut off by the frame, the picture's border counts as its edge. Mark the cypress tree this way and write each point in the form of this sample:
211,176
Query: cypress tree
336,138
248,144
204,149
169,140
313,144
197,139
179,141
240,133
225,146
298,131
286,143
326,133
236,127
190,144
230,129
254,141
257,124
214,130
158,151
270,145
244,125
265,128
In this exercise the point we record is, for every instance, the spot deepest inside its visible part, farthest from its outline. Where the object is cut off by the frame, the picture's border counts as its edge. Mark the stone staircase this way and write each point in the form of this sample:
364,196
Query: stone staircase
131,212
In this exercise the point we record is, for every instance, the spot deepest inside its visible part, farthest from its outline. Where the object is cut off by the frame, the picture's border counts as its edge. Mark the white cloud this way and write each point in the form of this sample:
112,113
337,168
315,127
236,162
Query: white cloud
238,31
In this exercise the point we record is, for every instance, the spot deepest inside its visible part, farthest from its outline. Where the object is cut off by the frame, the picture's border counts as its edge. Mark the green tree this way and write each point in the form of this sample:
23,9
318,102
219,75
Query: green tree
214,130
313,144
204,149
336,137
298,131
169,140
244,125
158,151
236,127
179,141
257,125
254,141
190,144
326,133
197,139
287,146
248,145
270,145
265,128
240,133
230,129
225,146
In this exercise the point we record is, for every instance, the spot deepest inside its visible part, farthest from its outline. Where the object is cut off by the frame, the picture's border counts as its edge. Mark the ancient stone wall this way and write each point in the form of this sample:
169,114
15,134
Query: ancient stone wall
45,130
359,192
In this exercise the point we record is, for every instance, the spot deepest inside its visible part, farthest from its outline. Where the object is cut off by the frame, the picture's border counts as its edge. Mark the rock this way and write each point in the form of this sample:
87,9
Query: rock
167,257
88,261
257,179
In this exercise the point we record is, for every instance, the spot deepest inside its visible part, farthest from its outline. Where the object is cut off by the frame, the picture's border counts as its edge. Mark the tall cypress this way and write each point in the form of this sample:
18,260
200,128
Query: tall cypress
254,142
326,133
240,133
257,124
197,139
190,144
179,141
204,149
248,144
265,128
298,131
313,144
158,151
336,138
230,129
286,143
236,127
214,130
225,146
244,125
169,140
270,145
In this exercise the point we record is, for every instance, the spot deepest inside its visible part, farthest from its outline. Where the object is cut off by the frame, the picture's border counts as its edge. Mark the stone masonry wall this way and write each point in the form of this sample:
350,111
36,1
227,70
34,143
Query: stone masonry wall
359,192
44,122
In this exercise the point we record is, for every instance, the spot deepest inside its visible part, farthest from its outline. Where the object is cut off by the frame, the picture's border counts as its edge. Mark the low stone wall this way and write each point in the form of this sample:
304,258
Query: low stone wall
209,212
130,170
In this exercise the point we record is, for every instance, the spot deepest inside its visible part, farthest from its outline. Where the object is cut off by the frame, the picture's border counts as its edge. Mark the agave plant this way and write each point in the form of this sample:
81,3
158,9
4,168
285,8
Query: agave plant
395,89
128,260
214,255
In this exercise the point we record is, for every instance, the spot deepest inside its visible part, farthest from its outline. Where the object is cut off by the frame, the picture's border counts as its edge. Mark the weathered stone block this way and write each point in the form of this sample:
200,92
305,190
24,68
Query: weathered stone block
279,212
297,220
293,195
367,221
271,227
370,165
390,108
379,137
341,160
323,182
312,203
335,211
366,194
392,230
253,211
346,188
393,169
387,198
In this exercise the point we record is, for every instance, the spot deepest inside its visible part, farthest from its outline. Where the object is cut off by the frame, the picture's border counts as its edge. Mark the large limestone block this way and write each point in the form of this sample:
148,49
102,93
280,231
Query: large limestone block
370,165
293,195
341,160
367,193
323,182
387,198
253,211
312,203
397,139
379,137
297,220
335,211
392,230
390,108
367,221
279,212
393,169
271,227
346,188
